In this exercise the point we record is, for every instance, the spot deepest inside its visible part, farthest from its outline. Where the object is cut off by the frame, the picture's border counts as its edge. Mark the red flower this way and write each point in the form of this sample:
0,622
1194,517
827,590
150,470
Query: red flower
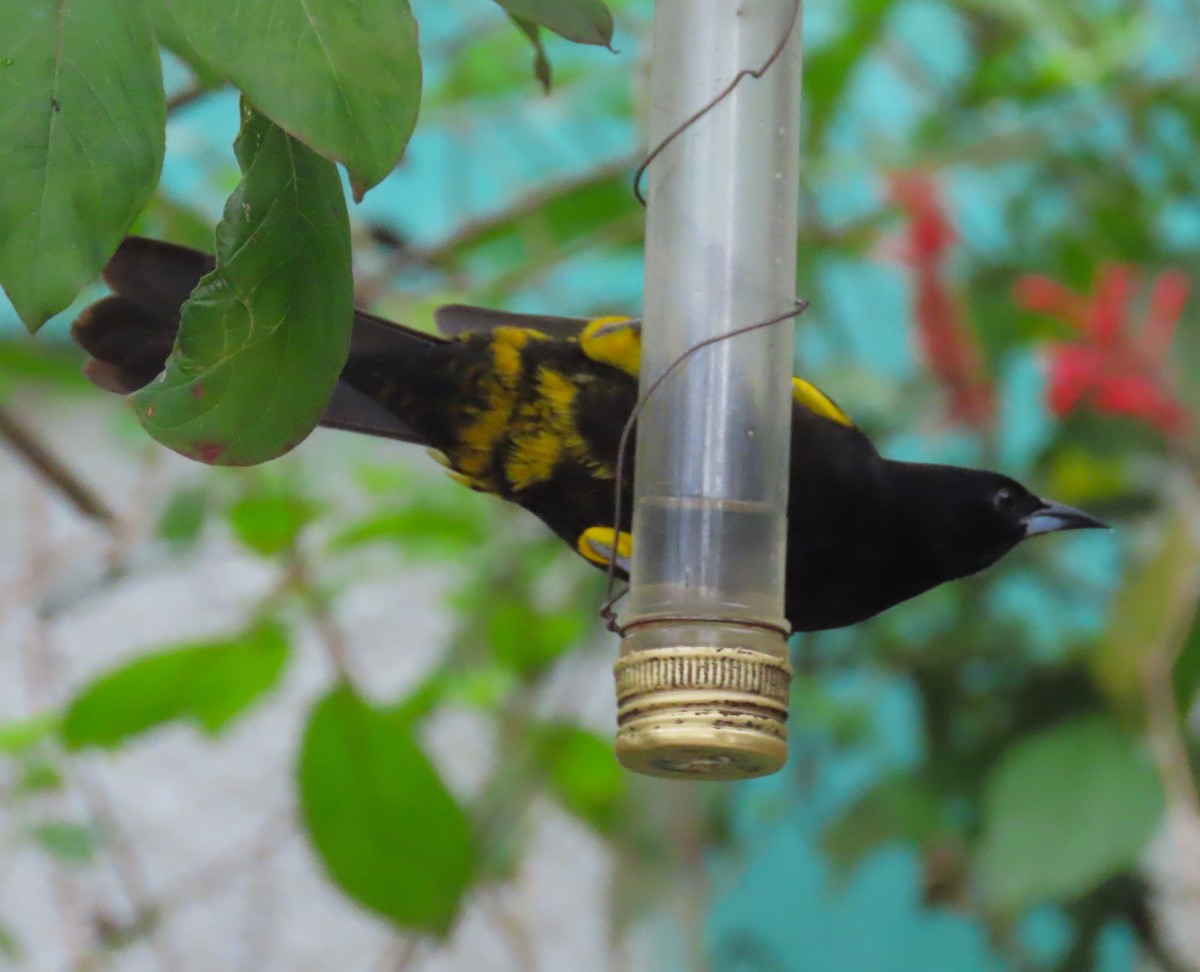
1112,368
946,340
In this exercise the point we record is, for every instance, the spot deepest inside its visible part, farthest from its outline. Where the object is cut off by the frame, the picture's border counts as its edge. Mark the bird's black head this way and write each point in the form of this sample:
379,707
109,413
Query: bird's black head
959,521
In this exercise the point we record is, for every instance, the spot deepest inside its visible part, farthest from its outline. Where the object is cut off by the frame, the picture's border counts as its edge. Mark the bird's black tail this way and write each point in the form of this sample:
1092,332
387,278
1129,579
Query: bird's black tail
129,335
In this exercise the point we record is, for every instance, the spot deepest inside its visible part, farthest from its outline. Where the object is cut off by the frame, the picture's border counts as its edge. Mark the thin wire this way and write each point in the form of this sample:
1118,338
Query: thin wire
607,611
724,93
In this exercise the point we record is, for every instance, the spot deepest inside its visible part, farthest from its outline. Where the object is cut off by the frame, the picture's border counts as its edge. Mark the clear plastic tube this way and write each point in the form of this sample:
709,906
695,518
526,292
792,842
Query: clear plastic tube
710,506
703,679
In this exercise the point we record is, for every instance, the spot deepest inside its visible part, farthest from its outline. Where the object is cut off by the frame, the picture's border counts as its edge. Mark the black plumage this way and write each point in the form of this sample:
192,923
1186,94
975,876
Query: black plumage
532,408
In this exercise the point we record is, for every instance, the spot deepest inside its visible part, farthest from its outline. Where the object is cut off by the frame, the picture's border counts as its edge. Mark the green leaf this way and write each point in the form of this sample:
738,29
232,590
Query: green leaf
269,523
83,120
18,736
263,338
1185,674
171,36
899,808
446,525
343,78
38,776
541,64
582,773
10,947
209,683
182,519
68,842
1063,810
484,687
24,361
829,70
582,21
386,828
1152,612
528,640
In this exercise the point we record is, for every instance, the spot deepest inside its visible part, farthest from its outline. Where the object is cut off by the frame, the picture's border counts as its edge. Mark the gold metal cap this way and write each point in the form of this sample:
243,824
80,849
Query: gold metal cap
702,713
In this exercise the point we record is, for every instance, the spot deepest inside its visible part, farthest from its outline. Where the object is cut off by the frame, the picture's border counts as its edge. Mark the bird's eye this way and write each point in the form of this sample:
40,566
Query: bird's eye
1004,499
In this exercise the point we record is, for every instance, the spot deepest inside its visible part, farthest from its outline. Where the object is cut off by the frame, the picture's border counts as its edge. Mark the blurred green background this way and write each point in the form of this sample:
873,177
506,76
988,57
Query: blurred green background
1000,224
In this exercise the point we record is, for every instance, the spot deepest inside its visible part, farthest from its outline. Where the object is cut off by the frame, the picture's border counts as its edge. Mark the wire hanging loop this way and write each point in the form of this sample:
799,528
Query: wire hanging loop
608,609
720,96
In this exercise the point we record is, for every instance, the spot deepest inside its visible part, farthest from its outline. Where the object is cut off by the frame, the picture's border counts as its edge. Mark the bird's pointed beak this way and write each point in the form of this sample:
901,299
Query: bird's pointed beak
1052,517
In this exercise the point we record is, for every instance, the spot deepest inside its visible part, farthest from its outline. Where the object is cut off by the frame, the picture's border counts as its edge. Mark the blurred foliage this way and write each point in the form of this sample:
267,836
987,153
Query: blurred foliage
1053,699
209,683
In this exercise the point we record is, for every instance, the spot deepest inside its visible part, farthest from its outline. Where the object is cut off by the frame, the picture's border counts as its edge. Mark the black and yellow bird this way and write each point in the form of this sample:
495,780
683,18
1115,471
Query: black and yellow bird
531,409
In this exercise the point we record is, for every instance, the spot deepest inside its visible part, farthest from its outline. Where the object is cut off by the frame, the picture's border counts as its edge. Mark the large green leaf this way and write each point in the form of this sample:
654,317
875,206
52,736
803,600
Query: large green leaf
342,76
263,338
82,121
385,826
582,21
1063,810
209,683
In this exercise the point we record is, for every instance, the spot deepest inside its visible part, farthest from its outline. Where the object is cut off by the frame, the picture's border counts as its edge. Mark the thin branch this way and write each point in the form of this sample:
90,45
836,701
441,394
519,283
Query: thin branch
44,676
188,95
440,255
300,579
25,442
524,956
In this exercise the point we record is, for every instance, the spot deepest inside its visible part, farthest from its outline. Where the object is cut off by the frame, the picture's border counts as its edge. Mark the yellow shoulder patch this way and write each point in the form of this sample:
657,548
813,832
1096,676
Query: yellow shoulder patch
615,341
596,544
817,402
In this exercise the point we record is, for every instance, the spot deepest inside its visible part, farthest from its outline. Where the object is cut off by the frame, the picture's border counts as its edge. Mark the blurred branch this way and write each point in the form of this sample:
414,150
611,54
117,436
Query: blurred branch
188,95
518,934
45,674
404,955
475,230
613,232
442,255
25,442
301,580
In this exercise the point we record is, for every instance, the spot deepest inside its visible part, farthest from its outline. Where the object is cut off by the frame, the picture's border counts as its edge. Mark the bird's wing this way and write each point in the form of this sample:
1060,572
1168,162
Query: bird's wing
454,320
610,340
617,341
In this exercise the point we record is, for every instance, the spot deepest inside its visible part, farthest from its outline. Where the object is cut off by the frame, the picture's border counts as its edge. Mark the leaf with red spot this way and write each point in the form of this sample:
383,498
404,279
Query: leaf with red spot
262,338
